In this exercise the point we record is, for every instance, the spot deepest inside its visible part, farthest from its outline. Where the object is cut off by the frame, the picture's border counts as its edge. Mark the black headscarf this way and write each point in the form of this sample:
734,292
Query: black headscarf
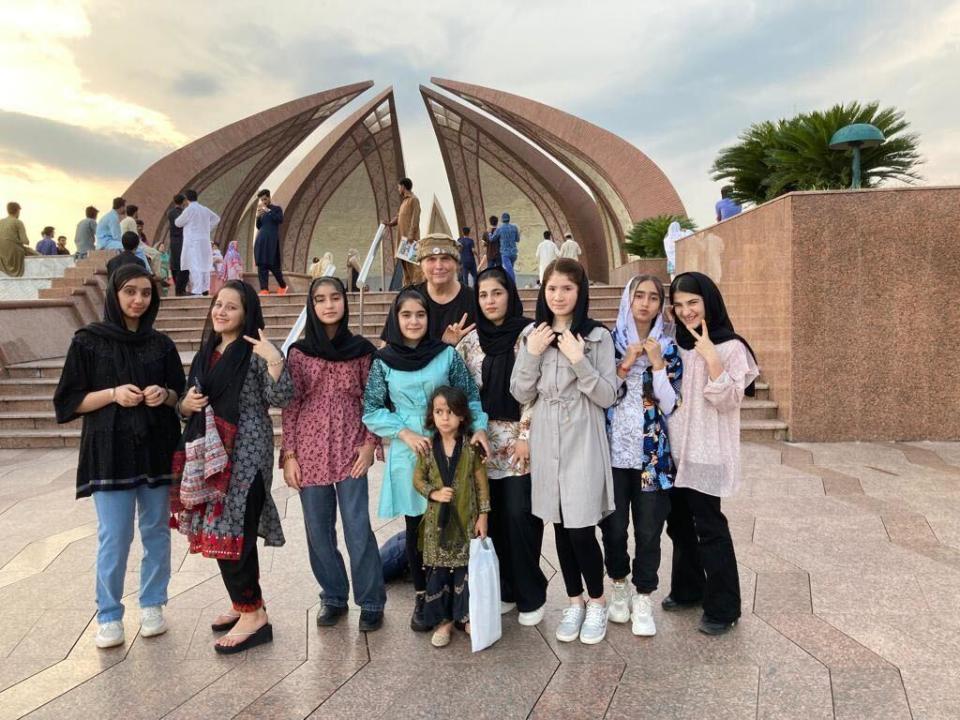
719,325
223,382
126,342
344,345
582,323
396,354
497,343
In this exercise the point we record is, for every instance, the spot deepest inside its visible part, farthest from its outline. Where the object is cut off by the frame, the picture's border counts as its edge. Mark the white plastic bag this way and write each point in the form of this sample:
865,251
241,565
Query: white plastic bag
483,581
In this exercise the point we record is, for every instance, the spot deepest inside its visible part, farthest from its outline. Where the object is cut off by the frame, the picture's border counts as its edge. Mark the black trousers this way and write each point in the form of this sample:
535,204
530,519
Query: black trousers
704,563
263,273
180,277
580,557
649,511
414,556
517,535
242,576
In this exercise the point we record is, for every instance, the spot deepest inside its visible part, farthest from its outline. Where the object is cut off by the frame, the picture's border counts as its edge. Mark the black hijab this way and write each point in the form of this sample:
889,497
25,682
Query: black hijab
223,382
719,325
344,345
497,343
396,354
582,323
124,342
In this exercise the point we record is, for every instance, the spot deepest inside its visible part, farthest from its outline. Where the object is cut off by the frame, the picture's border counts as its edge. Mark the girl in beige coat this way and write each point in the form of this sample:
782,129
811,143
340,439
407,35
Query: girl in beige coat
566,364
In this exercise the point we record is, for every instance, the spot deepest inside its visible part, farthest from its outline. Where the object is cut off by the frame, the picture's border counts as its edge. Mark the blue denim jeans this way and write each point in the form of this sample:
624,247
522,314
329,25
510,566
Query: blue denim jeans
508,262
116,511
320,519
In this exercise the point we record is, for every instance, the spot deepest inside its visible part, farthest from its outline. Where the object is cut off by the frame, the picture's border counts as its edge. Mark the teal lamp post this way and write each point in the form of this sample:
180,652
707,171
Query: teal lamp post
856,136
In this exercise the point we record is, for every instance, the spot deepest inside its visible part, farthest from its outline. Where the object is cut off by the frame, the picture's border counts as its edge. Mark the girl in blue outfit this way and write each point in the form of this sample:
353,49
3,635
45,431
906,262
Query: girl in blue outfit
649,372
402,378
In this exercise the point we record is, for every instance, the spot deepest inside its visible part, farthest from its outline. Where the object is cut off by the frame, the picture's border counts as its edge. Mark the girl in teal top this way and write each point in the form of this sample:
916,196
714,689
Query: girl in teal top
402,378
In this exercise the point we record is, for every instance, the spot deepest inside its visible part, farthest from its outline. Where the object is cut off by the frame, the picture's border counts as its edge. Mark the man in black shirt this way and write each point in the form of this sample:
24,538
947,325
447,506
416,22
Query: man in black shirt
453,309
180,277
131,241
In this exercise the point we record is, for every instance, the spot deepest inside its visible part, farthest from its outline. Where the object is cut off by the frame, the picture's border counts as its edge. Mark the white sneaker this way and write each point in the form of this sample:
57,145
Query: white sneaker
594,627
152,622
109,634
569,628
533,617
641,614
506,607
619,606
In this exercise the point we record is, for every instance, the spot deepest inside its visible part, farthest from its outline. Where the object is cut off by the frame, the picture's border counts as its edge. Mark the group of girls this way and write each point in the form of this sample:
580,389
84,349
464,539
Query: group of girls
525,421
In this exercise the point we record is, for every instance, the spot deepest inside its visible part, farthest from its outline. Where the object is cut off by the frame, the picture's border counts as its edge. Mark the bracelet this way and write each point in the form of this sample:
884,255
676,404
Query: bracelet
289,455
113,394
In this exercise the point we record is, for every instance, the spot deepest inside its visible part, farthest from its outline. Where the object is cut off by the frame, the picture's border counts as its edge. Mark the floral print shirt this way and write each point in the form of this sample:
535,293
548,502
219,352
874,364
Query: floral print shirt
502,434
322,424
637,427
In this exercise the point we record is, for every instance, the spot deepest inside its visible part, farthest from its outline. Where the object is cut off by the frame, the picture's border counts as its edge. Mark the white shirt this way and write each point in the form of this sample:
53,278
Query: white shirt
570,249
547,252
198,222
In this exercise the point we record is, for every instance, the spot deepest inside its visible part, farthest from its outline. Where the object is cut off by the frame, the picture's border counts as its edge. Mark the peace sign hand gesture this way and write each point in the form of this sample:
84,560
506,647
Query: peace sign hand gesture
455,332
264,348
705,346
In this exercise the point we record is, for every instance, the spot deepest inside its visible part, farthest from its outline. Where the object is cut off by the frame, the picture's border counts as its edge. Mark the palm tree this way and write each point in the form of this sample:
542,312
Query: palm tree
772,159
645,238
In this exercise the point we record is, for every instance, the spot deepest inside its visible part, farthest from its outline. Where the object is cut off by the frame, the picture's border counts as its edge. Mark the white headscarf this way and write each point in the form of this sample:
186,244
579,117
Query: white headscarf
625,333
674,233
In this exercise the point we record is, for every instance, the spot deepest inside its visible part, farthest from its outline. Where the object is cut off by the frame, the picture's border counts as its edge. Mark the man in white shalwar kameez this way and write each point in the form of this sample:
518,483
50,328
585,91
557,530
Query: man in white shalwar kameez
197,221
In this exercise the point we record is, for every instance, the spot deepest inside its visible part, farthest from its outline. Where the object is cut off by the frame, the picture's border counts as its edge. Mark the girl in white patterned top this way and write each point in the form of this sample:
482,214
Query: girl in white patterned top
489,353
718,369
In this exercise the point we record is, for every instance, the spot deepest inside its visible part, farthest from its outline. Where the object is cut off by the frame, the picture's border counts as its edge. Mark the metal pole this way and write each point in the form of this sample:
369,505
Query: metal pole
856,167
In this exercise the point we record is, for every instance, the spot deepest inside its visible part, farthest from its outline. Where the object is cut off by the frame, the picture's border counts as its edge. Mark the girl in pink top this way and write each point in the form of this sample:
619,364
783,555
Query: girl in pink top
719,367
327,451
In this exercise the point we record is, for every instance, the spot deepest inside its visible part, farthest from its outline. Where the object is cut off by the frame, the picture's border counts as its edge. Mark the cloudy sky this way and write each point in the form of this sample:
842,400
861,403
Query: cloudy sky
94,91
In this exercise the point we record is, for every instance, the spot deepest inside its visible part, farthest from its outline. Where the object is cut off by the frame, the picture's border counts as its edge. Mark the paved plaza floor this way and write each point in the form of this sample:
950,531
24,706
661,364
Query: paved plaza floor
849,562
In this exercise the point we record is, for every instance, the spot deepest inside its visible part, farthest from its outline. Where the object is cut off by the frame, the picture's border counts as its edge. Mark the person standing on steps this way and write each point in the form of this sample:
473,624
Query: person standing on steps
266,246
223,467
407,222
198,222
404,374
123,378
327,452
566,365
507,235
180,275
649,373
719,368
468,260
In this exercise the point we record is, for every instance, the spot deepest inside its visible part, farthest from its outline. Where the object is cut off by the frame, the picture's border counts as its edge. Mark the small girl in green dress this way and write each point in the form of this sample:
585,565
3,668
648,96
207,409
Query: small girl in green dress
453,478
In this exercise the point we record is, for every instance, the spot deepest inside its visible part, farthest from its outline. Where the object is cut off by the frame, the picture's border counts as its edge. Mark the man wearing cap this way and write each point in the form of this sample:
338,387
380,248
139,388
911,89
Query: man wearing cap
453,309
570,248
508,235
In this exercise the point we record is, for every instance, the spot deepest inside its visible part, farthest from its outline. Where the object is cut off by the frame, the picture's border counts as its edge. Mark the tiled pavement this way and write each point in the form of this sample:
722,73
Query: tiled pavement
849,561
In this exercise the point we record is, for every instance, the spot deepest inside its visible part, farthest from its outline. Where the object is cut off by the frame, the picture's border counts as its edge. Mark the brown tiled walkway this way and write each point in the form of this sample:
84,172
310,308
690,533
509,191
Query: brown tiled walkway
849,561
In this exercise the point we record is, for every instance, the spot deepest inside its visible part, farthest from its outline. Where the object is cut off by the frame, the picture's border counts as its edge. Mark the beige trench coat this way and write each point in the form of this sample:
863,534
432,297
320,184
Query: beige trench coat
569,454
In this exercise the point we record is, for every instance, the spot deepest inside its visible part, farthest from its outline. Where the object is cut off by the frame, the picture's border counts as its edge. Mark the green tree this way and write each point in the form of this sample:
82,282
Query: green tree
645,238
772,159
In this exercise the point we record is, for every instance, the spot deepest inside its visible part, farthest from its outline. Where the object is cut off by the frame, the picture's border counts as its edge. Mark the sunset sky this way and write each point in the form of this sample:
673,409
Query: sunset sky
94,92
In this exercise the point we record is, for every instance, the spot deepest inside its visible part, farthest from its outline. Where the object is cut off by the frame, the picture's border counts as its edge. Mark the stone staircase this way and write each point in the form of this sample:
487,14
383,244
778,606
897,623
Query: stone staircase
26,389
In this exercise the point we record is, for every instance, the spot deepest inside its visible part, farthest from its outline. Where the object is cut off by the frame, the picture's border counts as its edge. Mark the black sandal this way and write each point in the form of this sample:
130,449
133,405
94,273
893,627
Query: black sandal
223,627
262,635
